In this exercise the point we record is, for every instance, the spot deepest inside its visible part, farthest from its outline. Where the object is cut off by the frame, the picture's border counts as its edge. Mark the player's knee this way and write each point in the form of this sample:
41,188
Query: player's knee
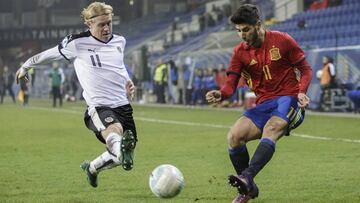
235,139
274,129
115,127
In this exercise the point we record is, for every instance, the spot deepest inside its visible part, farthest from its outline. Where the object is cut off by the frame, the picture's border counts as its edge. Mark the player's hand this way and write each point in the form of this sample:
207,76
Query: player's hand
213,96
130,90
303,100
21,74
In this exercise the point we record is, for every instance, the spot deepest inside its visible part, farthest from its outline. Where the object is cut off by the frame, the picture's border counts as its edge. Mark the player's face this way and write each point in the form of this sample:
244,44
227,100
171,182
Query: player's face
249,33
101,27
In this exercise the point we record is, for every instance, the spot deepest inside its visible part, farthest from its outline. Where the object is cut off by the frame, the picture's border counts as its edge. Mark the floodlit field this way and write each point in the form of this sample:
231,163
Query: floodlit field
41,149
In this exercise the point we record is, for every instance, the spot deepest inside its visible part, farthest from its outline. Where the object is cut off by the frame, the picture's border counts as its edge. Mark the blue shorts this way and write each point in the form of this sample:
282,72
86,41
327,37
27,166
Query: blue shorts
285,107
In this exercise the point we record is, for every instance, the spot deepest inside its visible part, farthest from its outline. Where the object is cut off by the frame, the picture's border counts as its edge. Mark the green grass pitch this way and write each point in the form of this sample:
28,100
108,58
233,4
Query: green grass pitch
41,149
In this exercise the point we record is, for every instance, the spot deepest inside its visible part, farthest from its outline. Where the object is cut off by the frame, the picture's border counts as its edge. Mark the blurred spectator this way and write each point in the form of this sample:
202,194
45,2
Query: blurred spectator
160,81
57,79
181,84
172,81
131,71
243,89
202,22
8,78
32,76
327,77
71,83
210,22
218,12
24,92
227,10
187,84
319,4
221,76
197,94
209,80
74,81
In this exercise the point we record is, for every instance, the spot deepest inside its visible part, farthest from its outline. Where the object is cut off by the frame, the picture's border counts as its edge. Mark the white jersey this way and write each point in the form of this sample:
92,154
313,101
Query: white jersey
99,67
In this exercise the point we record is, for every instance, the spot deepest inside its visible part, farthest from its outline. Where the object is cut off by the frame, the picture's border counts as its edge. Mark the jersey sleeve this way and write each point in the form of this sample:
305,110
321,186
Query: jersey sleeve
124,43
233,76
306,75
44,57
67,48
295,53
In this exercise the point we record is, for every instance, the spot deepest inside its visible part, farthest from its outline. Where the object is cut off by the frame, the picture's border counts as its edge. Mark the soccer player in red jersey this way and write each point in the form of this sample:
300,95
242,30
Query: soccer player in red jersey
275,68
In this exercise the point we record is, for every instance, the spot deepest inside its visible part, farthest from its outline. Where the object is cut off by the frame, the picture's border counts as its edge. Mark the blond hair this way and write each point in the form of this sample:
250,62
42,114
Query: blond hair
96,9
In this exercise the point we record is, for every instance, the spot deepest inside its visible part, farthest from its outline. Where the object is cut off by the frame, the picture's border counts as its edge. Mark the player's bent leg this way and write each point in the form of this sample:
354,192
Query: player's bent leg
128,144
91,177
242,131
112,137
273,131
105,161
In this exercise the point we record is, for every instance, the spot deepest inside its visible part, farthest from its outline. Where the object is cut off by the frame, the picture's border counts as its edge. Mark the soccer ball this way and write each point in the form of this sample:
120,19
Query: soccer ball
318,74
166,181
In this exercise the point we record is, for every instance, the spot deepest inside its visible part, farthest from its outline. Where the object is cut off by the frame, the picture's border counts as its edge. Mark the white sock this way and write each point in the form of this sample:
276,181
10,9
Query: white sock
103,162
113,143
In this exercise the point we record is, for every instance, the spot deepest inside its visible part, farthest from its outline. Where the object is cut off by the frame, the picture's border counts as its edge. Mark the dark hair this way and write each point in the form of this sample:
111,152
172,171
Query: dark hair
246,14
329,59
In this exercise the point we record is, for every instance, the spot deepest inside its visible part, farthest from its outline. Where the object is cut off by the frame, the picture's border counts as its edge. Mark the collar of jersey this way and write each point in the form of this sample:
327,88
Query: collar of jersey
112,36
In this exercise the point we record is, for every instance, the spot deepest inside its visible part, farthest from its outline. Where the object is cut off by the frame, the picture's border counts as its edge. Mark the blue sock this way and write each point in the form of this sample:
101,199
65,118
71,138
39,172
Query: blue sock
239,158
262,156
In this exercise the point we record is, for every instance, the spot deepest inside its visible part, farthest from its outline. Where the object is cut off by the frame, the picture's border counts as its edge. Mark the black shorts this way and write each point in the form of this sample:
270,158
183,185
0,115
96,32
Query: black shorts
102,117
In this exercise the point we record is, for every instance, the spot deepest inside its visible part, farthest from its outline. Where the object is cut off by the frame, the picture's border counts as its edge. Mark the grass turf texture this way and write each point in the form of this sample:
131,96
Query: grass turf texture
41,149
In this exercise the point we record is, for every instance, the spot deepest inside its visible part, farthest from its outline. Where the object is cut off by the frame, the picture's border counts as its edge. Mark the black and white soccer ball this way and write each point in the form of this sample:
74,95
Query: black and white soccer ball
166,181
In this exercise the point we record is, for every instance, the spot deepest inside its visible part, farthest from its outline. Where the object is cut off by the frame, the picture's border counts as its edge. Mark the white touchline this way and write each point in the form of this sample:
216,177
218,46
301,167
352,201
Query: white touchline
202,125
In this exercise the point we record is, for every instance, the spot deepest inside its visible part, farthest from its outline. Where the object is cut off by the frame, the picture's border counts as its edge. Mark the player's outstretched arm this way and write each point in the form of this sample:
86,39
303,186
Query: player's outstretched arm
213,96
41,58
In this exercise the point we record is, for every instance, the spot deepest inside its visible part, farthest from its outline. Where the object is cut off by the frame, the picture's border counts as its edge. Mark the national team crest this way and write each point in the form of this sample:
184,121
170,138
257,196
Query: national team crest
275,54
109,119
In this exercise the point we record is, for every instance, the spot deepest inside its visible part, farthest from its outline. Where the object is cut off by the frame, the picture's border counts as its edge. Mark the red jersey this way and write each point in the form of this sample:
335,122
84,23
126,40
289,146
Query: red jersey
270,71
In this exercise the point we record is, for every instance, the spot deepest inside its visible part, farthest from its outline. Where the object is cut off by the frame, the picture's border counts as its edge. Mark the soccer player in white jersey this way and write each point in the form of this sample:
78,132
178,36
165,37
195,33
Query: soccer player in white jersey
98,55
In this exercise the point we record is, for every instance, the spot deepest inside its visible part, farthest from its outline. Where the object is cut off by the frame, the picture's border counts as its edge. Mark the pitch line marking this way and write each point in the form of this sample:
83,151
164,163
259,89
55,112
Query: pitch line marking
202,125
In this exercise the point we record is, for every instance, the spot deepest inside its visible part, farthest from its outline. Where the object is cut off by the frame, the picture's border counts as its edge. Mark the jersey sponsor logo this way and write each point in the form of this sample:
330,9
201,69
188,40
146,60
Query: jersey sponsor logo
109,119
253,62
275,54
